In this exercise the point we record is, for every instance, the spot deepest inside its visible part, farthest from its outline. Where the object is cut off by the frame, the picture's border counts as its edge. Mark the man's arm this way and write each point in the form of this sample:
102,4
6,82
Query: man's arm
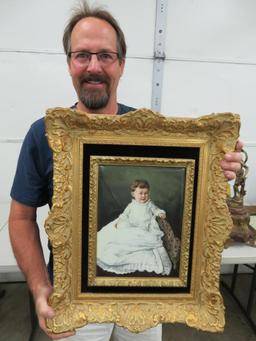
24,236
26,245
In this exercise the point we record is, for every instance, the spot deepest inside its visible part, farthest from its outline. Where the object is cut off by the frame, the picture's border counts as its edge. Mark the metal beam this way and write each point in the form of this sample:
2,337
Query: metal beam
159,54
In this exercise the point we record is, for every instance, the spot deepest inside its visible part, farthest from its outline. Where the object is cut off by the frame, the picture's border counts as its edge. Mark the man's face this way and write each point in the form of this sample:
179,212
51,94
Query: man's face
95,85
141,195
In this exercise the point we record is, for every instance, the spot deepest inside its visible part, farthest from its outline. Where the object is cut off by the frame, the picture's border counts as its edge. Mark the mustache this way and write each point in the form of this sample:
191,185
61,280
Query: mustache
94,78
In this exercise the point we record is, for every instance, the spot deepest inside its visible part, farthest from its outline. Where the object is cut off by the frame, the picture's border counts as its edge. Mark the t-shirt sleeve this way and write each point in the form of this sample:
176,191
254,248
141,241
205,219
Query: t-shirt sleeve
32,182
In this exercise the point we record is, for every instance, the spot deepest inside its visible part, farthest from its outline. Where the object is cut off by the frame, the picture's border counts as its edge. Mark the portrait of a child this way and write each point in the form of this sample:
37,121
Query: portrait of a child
133,241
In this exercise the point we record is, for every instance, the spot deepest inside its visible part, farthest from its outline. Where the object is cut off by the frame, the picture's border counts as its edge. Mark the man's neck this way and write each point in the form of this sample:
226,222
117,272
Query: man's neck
108,110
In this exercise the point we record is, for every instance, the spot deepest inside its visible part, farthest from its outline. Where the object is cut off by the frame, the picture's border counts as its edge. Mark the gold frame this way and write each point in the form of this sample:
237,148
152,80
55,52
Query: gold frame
202,305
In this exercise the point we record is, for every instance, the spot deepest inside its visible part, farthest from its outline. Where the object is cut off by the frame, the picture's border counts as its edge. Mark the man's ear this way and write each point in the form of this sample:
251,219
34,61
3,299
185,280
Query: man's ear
69,67
122,65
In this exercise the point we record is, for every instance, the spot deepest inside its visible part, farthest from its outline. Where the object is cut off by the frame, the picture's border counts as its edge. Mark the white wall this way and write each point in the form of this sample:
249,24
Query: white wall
210,67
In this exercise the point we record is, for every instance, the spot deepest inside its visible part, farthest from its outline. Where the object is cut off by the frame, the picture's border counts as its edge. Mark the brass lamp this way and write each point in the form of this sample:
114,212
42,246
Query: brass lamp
241,231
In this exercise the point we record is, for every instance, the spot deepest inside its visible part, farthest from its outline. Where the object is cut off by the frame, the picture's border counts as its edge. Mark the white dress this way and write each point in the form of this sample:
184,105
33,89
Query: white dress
133,242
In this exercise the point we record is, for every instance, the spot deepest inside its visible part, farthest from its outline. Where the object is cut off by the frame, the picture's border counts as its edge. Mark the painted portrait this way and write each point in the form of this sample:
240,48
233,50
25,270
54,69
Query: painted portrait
140,213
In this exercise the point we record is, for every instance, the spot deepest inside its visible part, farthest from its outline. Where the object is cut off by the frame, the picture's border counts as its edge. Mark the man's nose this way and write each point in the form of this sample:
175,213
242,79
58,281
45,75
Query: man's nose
94,64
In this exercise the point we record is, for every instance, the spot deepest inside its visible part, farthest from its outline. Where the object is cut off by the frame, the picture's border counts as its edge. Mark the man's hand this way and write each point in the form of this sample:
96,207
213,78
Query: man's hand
24,236
44,311
231,162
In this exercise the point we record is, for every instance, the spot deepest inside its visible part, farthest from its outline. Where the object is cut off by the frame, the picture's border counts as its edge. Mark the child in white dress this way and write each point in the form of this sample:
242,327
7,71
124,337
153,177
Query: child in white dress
133,241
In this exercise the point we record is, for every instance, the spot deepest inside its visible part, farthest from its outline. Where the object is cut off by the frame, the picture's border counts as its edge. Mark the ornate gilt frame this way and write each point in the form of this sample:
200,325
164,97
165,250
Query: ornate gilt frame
193,297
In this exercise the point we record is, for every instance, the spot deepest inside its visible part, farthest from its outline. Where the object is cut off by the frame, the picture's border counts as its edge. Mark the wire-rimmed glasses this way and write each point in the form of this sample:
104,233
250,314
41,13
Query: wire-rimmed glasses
83,58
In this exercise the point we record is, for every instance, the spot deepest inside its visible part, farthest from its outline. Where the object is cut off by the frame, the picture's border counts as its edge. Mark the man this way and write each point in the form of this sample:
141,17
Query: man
95,49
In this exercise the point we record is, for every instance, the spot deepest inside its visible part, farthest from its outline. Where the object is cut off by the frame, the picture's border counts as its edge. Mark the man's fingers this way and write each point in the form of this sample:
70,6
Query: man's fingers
239,146
235,157
229,175
231,162
42,324
44,311
60,336
230,166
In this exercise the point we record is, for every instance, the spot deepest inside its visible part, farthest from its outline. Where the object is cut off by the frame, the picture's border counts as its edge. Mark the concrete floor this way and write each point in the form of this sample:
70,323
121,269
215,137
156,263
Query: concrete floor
15,318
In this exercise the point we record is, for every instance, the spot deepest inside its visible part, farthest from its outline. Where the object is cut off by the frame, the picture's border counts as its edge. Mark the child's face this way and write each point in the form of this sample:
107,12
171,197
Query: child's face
141,194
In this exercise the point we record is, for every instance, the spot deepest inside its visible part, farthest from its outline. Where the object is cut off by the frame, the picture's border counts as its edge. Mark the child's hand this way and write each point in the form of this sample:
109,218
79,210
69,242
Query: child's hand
162,215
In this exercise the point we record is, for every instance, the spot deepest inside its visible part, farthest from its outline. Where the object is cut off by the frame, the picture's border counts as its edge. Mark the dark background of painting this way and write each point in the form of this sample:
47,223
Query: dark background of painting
167,186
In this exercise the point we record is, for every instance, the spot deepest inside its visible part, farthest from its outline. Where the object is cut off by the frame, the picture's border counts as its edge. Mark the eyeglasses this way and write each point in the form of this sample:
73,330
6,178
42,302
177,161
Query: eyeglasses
83,58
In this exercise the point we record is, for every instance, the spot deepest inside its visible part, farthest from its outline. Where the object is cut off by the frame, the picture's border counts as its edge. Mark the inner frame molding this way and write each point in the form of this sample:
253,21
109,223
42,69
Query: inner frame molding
156,140
143,163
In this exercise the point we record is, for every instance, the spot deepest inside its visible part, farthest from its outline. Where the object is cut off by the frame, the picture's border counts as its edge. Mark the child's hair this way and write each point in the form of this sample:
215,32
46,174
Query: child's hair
139,183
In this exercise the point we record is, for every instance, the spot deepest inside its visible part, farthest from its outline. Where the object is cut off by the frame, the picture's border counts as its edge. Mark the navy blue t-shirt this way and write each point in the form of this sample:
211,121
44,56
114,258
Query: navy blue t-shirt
32,184
33,181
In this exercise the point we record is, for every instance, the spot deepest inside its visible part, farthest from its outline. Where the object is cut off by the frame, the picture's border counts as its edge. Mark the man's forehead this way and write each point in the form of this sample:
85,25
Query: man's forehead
92,29
94,25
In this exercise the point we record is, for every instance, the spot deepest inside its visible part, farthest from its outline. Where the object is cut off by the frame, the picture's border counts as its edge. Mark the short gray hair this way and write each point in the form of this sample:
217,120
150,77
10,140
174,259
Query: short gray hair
83,10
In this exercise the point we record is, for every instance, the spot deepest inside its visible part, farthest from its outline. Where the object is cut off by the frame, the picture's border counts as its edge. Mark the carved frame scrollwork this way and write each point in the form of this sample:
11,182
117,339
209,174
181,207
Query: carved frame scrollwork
200,305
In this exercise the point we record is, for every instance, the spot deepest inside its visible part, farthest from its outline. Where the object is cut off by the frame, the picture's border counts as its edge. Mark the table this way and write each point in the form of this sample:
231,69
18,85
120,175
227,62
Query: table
241,254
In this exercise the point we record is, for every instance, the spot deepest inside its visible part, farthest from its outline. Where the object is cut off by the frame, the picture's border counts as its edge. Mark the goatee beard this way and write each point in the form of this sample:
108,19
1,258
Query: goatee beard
94,99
